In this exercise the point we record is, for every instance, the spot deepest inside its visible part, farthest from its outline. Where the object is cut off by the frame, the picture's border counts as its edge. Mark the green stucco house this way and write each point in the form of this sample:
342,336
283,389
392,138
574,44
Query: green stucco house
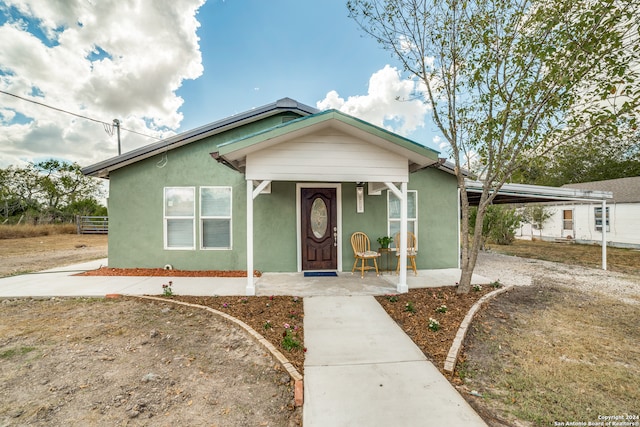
279,188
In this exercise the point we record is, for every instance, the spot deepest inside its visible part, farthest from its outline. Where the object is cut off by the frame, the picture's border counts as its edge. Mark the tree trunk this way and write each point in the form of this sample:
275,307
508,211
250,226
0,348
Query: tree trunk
469,261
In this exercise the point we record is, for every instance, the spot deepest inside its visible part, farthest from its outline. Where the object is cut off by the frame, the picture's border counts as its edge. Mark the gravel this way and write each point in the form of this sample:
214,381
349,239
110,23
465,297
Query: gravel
511,270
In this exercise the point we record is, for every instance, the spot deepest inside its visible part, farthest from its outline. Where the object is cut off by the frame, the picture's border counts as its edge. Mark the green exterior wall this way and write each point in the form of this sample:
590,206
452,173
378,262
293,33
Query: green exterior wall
136,214
437,220
136,198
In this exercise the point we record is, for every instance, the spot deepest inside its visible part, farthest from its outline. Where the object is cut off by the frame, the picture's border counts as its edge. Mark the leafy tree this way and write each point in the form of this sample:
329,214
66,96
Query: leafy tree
537,215
498,225
594,160
511,80
51,189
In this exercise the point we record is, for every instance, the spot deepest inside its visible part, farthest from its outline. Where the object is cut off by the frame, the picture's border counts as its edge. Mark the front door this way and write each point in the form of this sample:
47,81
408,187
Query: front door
319,232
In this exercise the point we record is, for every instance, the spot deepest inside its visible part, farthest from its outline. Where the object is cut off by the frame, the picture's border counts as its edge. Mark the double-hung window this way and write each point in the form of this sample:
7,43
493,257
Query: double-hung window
598,218
179,217
215,217
393,213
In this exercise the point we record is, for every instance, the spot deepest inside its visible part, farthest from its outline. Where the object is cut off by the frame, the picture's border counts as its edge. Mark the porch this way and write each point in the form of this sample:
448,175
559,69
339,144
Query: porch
347,284
64,282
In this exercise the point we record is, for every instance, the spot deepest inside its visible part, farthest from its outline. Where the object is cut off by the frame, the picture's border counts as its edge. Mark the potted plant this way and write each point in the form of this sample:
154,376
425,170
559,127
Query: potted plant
384,241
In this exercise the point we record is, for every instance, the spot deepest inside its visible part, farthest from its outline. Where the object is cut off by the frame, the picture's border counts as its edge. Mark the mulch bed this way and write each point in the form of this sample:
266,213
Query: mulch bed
267,315
425,302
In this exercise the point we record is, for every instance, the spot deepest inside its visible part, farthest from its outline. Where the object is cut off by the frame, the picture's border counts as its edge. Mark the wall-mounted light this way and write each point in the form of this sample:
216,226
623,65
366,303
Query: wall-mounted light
360,197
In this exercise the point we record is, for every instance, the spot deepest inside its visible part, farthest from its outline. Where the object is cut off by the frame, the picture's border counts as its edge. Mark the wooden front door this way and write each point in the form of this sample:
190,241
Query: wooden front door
319,232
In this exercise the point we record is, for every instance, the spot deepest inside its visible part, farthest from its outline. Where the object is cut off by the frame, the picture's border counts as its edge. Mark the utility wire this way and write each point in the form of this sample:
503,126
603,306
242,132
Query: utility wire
75,114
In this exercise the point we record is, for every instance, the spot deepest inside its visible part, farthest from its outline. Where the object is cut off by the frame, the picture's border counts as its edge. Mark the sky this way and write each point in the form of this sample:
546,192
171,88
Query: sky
163,67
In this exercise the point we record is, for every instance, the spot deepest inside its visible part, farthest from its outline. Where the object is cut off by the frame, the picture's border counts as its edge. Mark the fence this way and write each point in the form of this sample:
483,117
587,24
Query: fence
93,224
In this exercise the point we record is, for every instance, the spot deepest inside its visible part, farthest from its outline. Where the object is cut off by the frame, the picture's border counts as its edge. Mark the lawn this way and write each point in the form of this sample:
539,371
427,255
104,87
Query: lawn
618,259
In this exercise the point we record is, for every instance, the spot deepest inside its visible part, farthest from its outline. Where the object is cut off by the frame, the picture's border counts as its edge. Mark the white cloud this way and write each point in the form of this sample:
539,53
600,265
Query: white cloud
102,59
389,103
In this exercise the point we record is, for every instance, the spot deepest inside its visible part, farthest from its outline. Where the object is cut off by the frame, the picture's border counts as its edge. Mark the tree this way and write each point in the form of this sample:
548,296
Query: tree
52,189
594,160
498,225
537,215
511,80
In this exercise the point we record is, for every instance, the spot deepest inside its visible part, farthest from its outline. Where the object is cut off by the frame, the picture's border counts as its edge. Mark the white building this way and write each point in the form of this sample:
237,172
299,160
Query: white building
582,221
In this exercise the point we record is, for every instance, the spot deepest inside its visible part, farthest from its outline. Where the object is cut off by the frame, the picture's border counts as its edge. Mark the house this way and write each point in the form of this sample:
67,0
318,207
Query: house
279,188
583,221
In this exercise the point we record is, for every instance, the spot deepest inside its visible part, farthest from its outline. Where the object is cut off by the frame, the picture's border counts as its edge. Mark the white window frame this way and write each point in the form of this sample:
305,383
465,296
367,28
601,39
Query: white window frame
205,217
597,216
410,219
166,218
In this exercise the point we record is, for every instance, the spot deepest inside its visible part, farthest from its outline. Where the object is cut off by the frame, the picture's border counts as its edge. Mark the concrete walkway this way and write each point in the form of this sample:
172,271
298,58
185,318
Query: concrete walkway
361,369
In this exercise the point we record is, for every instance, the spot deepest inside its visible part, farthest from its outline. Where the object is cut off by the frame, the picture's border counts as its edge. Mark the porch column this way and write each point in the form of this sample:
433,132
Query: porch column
604,234
402,281
251,287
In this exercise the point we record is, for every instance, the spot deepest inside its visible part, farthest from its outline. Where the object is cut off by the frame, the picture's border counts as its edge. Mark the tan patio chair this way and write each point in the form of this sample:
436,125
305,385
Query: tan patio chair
362,252
412,242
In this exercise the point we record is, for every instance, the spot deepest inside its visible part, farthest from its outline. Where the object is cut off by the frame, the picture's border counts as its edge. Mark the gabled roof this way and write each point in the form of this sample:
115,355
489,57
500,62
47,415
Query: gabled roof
102,169
233,153
625,190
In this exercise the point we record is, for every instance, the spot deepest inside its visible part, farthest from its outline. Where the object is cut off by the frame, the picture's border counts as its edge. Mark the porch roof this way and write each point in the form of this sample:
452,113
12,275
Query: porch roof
336,131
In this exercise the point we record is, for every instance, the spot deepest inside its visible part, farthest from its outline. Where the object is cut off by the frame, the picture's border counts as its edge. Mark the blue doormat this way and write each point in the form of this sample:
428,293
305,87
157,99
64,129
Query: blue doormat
320,274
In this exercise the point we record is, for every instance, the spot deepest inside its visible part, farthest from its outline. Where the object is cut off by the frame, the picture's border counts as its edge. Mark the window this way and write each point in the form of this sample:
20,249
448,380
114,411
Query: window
215,217
179,217
598,217
393,213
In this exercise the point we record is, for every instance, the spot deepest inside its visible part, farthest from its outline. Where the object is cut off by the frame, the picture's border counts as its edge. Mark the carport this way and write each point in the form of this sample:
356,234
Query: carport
518,194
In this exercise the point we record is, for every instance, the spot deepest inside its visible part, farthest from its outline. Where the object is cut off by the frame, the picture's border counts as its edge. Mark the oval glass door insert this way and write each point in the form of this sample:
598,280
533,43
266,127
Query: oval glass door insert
318,218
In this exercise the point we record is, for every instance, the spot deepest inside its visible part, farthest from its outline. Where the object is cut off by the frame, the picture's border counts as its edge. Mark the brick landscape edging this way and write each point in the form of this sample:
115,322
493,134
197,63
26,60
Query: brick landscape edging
454,351
291,370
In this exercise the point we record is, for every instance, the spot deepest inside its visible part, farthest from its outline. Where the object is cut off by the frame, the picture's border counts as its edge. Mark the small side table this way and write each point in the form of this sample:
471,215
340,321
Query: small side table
386,253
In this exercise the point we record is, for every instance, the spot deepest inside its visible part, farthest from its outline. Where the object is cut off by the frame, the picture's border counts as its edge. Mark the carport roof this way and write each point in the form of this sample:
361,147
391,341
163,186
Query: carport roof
525,193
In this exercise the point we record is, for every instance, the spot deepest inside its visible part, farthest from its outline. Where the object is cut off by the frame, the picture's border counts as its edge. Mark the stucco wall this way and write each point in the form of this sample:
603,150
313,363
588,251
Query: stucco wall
136,206
136,215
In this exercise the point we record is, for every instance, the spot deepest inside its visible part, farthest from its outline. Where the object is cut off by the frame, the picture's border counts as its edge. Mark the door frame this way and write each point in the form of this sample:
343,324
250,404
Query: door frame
299,187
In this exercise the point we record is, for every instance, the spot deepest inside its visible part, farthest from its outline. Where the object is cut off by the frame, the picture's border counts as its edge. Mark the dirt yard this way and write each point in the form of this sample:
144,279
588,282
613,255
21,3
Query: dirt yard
31,254
79,362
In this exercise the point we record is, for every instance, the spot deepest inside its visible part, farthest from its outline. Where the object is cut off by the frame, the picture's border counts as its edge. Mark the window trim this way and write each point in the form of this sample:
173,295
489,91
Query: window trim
165,219
229,217
413,220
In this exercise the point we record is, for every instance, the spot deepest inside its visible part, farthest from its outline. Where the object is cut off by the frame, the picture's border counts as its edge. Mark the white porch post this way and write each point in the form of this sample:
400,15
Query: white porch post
604,234
402,244
402,281
251,287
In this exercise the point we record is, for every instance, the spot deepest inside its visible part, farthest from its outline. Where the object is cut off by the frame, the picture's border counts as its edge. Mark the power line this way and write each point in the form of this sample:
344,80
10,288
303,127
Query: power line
75,114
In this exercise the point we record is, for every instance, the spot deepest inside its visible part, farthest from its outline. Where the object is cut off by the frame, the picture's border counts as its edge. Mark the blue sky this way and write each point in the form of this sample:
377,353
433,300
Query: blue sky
255,52
166,66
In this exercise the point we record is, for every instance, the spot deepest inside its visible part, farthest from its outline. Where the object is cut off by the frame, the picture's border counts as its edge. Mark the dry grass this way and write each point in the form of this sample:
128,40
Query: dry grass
21,231
618,259
547,354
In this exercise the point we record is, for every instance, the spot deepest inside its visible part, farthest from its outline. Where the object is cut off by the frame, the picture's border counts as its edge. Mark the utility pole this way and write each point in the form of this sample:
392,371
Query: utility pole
116,124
